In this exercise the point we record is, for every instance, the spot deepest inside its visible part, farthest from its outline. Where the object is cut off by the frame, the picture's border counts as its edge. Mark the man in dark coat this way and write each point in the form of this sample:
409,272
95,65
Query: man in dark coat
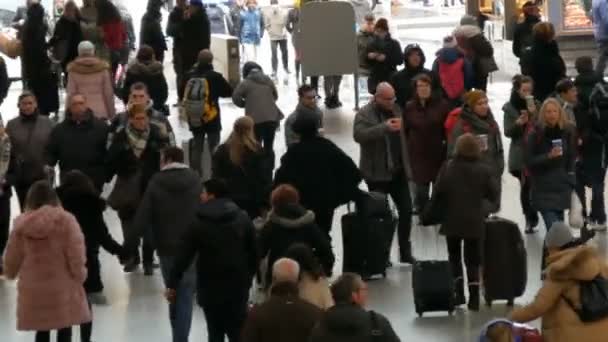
323,174
218,87
196,34
149,71
151,33
522,34
167,222
175,30
79,142
284,316
348,320
222,237
414,60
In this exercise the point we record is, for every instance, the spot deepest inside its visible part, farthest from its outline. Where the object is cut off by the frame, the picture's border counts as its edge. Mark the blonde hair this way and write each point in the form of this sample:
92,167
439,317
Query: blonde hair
136,109
562,114
242,140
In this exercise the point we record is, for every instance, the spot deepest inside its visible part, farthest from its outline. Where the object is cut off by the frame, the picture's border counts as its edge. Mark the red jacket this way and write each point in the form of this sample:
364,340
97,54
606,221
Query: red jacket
114,35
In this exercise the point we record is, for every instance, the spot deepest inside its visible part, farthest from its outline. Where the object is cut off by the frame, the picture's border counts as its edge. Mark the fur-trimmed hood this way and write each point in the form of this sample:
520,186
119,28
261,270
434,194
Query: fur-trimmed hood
139,68
581,263
293,216
88,65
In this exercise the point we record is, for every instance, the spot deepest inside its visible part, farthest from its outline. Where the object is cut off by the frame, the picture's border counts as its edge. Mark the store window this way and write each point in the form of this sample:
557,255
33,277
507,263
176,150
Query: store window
576,14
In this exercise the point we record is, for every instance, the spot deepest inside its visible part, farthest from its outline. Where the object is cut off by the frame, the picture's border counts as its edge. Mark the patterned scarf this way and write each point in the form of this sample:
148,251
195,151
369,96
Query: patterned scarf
137,139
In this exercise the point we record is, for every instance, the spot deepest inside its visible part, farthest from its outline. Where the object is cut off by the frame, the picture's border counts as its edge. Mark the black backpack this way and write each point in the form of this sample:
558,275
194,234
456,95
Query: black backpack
594,300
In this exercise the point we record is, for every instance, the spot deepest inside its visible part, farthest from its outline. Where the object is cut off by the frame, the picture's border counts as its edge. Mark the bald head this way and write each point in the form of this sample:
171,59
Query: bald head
205,57
285,270
385,95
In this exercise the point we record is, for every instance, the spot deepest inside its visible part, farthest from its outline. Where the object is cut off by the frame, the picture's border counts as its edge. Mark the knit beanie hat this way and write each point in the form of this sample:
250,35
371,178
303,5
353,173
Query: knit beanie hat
472,97
449,42
558,236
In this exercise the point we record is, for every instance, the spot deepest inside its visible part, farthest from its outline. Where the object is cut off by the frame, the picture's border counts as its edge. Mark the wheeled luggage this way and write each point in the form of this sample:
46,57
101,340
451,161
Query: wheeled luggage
504,266
367,235
433,286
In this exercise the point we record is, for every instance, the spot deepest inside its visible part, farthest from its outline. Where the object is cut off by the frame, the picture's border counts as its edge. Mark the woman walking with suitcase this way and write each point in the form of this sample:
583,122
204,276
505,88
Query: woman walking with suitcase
464,192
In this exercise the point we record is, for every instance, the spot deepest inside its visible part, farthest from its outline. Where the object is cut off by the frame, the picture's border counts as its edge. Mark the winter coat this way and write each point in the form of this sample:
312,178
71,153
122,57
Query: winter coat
466,191
594,151
29,136
382,152
469,122
46,251
273,320
252,26
249,184
80,146
150,74
175,29
157,119
599,14
65,40
543,63
324,175
292,137
560,323
351,323
275,21
293,27
402,81
449,56
382,71
122,162
196,37
585,83
151,34
218,87
167,220
315,292
222,238
5,82
512,112
88,210
478,50
551,180
364,39
522,34
292,224
258,95
90,76
115,35
425,138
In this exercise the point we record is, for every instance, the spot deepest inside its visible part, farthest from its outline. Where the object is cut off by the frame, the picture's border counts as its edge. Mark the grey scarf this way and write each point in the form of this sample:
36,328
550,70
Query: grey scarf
137,139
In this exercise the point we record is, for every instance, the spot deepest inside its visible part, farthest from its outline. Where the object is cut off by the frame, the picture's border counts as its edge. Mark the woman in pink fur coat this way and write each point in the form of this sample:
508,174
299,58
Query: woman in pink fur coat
46,250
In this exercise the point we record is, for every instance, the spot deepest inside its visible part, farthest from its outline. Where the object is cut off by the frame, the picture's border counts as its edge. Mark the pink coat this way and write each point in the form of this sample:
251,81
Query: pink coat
46,250
90,76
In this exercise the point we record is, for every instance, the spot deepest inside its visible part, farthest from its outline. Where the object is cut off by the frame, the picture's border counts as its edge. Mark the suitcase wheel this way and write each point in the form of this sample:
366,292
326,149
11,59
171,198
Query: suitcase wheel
450,312
488,302
384,274
510,302
419,313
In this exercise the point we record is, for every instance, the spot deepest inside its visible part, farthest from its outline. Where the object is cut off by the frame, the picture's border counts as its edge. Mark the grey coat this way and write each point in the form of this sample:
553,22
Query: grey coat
29,138
258,94
517,134
377,144
168,207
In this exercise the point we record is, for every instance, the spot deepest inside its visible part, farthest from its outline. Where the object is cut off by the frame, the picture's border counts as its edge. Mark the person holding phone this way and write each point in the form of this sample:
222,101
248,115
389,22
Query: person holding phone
520,114
550,156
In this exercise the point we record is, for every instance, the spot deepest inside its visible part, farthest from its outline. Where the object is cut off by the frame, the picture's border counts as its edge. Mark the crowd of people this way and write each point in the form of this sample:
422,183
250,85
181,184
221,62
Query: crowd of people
254,222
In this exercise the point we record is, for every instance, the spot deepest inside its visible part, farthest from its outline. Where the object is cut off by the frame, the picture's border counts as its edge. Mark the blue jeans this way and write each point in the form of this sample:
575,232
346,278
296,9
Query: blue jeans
180,312
552,216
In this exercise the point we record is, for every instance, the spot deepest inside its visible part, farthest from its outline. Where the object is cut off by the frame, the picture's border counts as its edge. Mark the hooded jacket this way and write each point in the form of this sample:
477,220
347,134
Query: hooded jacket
560,323
291,224
151,33
80,146
258,95
150,74
292,137
196,36
222,238
90,76
46,251
543,62
450,56
167,219
351,323
88,210
402,80
218,87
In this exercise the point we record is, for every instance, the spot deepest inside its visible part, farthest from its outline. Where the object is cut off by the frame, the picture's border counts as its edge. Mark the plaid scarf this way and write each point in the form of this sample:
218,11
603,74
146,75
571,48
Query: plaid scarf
137,139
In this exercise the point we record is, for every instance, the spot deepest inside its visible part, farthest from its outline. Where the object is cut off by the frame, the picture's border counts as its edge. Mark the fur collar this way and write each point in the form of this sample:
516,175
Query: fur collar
88,65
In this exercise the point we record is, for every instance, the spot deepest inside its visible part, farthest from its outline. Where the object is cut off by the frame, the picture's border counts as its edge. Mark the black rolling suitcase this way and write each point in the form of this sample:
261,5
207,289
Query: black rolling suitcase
367,235
433,286
504,266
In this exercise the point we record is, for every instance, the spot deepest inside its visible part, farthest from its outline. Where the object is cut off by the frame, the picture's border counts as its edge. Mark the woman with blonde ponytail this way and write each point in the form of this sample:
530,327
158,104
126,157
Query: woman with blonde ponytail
240,161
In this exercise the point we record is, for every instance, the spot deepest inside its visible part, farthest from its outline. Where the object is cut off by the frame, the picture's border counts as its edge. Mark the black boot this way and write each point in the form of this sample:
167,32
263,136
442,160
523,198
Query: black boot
459,298
473,297
406,256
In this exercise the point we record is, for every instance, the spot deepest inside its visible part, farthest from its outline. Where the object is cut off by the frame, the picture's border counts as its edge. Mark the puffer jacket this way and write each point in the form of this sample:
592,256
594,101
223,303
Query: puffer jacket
258,95
46,251
90,76
150,74
560,323
293,224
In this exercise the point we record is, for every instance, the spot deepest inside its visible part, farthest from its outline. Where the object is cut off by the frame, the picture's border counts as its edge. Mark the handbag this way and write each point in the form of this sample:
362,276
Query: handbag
126,192
575,214
487,65
434,211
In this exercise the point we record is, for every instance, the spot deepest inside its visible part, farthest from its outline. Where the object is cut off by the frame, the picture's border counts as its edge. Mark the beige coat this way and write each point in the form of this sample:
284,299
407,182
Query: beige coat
559,322
90,76
315,292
